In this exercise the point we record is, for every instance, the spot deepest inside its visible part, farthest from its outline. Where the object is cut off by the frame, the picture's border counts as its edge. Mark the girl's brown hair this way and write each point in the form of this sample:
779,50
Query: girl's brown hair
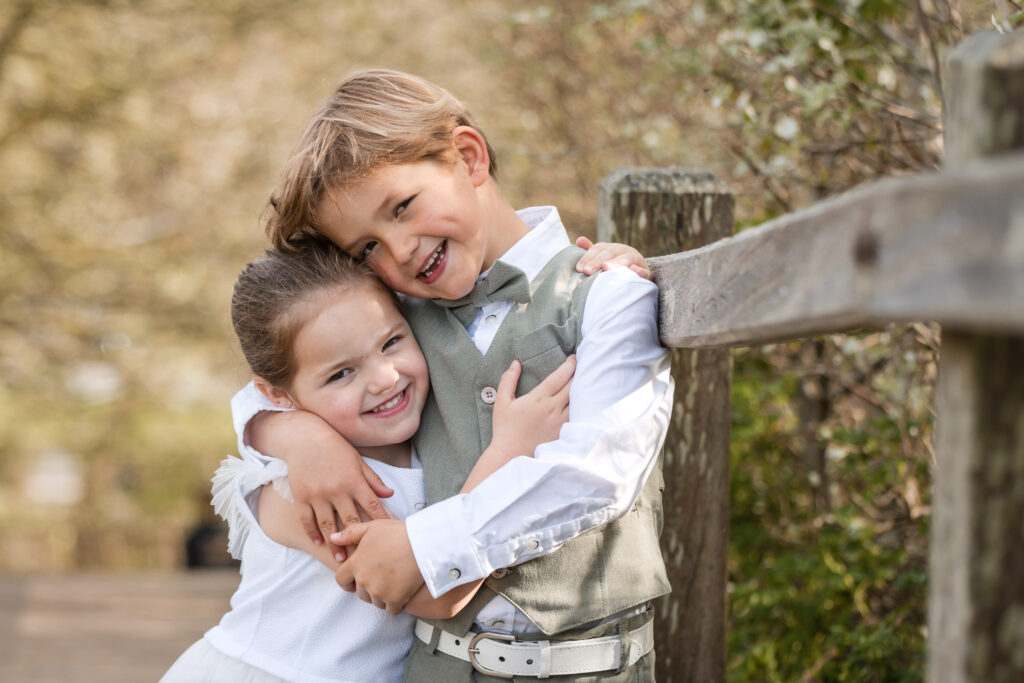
374,118
277,294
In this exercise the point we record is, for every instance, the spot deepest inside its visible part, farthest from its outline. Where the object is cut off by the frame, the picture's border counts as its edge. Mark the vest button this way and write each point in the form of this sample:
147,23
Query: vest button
499,573
488,394
454,574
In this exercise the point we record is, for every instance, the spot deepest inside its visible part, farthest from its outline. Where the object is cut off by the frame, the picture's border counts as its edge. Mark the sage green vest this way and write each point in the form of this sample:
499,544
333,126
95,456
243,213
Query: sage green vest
598,574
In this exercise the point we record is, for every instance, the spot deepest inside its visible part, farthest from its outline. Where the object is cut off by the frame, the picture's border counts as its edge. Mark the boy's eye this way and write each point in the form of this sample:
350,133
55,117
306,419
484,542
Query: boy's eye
402,206
389,343
364,253
344,372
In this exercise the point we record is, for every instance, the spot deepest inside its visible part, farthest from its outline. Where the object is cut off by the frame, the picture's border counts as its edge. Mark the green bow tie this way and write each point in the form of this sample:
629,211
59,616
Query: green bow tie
503,283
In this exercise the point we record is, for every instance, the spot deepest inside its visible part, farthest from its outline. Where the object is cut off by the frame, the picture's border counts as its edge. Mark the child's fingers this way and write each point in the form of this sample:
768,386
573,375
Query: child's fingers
584,242
562,396
508,382
377,485
350,535
347,513
642,271
592,260
559,378
307,517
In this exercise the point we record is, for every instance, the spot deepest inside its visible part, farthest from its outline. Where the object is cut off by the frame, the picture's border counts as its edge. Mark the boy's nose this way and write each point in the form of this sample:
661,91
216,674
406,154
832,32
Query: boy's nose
402,247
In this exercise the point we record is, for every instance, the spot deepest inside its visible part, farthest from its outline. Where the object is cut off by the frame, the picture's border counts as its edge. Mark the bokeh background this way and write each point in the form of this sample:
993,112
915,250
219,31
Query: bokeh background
139,141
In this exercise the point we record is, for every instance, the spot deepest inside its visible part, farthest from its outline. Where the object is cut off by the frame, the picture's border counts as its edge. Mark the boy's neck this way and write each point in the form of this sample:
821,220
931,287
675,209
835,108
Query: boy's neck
396,454
504,227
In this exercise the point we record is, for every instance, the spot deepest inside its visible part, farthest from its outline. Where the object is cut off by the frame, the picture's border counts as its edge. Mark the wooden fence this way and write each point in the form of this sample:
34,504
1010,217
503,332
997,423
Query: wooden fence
946,247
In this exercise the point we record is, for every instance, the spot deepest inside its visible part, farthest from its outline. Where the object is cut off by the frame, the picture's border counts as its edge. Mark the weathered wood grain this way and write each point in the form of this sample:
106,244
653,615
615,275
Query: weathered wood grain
976,572
945,246
663,211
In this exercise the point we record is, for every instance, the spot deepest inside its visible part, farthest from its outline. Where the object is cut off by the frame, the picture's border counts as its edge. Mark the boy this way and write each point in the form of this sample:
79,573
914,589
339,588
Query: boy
396,172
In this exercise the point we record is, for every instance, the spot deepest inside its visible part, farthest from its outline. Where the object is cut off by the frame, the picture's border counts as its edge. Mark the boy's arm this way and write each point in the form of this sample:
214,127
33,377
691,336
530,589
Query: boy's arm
328,479
620,403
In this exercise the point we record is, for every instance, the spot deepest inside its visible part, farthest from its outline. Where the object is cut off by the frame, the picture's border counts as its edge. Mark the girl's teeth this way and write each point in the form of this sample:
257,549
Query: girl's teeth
390,404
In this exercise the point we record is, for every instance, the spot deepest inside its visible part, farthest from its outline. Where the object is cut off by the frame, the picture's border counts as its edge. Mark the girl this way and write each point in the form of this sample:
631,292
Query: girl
324,335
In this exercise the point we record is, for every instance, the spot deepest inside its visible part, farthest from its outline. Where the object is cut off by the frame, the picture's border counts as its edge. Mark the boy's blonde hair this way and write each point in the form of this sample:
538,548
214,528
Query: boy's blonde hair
374,118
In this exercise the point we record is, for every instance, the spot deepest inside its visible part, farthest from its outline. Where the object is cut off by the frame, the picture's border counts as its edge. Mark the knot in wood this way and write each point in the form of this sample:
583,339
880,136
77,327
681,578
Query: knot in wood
865,248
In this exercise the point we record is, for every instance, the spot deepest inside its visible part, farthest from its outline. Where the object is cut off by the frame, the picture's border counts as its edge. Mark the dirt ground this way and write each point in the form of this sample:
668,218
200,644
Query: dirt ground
105,628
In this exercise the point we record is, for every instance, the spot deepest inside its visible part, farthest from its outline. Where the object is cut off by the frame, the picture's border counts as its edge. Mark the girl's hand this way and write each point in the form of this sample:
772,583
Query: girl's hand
608,255
328,478
521,424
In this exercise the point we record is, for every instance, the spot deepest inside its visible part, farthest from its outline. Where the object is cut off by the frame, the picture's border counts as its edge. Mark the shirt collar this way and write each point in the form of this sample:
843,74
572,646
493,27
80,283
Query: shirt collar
546,238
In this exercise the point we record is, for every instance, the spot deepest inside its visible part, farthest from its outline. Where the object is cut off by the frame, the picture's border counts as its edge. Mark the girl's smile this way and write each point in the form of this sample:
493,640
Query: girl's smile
357,366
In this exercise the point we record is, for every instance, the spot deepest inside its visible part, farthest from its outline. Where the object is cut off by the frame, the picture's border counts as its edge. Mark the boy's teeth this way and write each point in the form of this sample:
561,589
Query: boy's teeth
429,270
390,404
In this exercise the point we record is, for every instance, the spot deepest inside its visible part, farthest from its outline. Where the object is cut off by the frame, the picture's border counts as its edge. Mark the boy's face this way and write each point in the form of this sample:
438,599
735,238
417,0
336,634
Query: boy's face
359,368
419,225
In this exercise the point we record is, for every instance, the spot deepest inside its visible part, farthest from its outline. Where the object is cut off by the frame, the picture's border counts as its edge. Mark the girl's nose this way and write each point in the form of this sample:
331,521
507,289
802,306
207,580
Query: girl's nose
384,377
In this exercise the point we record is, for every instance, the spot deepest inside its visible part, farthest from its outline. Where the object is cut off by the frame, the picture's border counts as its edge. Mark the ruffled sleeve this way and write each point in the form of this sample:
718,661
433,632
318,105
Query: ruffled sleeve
234,480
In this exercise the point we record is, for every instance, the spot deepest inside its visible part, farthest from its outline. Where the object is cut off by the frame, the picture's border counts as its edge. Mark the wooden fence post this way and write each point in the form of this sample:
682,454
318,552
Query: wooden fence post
664,211
976,573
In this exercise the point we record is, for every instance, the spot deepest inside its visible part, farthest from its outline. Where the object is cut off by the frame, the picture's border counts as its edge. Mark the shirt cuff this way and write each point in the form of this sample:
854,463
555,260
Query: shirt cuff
438,526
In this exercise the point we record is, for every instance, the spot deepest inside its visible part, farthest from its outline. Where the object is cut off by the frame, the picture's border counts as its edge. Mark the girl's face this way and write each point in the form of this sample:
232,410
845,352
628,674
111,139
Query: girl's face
359,367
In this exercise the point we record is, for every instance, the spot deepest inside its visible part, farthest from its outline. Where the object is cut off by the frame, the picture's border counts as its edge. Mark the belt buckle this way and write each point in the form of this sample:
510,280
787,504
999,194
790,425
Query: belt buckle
473,651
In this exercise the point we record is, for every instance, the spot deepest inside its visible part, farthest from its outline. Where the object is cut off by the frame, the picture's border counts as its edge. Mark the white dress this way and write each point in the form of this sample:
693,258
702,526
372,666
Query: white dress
289,620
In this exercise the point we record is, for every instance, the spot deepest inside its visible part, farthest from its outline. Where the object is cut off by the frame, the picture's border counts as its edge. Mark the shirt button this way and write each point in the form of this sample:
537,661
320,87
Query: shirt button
499,574
491,319
454,574
498,623
488,394
533,545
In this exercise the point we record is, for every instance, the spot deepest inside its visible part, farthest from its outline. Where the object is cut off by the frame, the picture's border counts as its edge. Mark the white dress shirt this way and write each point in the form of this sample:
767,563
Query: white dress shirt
619,405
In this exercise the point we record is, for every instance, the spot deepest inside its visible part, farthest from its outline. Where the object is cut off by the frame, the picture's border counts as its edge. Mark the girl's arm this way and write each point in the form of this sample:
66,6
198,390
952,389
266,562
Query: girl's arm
329,481
519,425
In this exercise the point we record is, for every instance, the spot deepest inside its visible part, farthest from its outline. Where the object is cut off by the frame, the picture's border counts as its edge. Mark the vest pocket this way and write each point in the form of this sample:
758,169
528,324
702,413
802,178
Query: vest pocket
541,352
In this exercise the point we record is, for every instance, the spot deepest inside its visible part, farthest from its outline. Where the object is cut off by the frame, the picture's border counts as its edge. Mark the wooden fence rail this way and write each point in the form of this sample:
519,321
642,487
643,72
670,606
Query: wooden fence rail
947,247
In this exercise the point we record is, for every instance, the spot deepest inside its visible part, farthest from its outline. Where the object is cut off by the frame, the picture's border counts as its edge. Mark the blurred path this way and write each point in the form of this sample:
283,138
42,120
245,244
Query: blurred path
105,628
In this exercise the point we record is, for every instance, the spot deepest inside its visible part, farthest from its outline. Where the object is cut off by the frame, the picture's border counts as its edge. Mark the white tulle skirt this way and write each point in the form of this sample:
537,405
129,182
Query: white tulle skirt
203,663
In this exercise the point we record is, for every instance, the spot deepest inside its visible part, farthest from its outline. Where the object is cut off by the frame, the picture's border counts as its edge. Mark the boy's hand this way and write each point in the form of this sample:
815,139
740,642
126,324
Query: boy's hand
382,570
608,255
328,478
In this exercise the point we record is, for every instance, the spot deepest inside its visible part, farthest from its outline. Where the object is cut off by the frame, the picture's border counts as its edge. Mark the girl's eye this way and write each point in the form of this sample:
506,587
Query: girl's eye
344,372
364,253
390,342
402,206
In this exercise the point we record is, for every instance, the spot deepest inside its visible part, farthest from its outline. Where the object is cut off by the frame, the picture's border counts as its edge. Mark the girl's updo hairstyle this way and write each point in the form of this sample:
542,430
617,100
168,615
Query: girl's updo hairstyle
374,118
277,294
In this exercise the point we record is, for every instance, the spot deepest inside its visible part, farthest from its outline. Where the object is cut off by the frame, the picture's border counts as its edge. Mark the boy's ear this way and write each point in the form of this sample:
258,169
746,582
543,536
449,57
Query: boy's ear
472,149
276,395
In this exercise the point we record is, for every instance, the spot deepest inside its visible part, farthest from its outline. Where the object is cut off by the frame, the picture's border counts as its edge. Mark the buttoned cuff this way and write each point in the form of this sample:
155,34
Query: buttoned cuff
434,533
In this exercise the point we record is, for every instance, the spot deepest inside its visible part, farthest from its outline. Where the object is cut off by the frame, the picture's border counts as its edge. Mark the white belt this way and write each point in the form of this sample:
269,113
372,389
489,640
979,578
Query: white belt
502,656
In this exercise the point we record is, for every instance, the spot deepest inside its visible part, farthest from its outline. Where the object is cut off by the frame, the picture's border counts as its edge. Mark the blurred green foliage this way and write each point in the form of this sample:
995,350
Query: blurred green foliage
138,142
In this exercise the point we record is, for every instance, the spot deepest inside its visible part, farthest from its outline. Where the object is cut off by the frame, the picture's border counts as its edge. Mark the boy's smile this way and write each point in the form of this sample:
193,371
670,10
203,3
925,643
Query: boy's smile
425,227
